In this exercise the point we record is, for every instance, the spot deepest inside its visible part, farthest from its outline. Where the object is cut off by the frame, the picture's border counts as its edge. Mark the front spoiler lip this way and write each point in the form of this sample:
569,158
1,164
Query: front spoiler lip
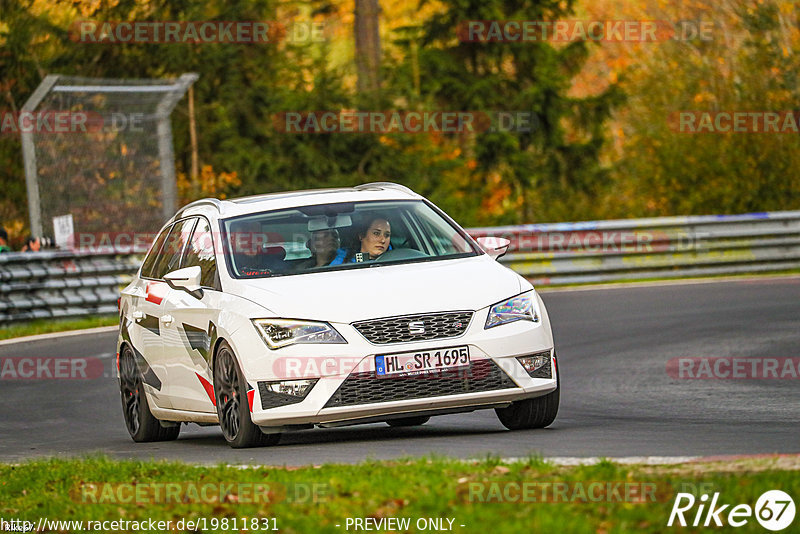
415,413
418,413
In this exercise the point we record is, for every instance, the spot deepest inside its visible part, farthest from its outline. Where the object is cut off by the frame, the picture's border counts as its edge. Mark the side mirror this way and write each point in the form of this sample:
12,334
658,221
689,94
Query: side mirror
187,279
495,247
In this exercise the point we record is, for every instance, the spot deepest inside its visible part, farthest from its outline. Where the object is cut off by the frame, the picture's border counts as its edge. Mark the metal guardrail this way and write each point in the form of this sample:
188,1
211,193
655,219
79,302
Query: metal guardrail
57,284
662,247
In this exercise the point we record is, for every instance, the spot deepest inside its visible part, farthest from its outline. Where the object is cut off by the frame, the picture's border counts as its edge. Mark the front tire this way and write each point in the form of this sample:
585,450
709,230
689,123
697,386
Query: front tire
232,407
139,421
532,413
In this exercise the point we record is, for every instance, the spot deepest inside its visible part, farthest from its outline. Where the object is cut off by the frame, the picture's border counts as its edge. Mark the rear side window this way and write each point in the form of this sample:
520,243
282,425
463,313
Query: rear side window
200,252
170,255
150,260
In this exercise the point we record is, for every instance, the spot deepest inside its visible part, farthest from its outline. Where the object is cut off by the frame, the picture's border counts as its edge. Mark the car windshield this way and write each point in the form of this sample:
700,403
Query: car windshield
340,236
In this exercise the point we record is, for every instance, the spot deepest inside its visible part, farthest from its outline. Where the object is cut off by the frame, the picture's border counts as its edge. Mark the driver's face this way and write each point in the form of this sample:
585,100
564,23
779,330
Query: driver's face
376,240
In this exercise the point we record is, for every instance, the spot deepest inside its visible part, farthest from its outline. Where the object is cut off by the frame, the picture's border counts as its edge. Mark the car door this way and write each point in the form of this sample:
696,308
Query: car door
141,322
193,327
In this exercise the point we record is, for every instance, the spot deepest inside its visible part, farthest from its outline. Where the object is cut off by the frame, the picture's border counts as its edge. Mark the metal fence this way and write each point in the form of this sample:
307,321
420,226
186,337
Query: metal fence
663,247
56,284
111,163
65,284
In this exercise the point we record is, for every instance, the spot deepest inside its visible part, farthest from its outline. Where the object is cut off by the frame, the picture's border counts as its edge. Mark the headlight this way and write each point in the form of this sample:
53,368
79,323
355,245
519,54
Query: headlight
523,307
279,333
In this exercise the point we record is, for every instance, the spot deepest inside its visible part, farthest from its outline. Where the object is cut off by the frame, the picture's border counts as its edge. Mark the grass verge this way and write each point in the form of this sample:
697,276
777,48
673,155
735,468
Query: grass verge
482,496
46,326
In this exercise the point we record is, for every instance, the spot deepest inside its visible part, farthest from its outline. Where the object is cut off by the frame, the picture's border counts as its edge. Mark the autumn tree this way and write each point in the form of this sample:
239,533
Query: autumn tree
750,64
548,172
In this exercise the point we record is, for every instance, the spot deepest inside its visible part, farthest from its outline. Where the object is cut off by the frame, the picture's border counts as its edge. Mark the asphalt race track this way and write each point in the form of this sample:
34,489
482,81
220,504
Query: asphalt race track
617,398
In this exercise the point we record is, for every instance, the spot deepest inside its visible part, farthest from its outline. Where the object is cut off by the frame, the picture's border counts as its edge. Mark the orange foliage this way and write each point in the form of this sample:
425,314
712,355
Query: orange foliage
208,184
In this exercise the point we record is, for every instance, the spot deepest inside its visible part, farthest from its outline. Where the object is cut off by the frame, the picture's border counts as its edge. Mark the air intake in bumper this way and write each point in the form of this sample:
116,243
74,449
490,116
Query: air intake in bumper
366,388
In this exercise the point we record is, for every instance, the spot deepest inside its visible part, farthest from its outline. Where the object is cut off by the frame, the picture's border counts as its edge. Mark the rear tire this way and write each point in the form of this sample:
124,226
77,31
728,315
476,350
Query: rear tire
532,413
408,421
139,421
233,409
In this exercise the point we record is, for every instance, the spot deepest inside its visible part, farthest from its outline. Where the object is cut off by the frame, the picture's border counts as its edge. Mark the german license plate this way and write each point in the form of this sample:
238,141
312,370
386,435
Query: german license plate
420,362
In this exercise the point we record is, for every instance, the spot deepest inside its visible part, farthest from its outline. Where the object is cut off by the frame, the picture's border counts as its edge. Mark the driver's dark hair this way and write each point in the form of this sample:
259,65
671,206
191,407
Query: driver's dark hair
361,228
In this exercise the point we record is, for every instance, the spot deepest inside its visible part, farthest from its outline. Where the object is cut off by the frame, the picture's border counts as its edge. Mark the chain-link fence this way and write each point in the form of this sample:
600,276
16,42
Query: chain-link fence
100,150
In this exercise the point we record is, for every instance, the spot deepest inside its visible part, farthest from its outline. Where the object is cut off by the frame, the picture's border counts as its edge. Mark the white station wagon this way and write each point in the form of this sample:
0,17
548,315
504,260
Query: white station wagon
330,307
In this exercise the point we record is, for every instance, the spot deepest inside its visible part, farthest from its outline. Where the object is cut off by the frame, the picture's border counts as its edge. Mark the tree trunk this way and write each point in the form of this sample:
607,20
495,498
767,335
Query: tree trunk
368,47
194,174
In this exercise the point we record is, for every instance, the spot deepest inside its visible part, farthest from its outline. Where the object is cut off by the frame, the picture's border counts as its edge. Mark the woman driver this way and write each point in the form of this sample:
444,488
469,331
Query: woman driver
374,241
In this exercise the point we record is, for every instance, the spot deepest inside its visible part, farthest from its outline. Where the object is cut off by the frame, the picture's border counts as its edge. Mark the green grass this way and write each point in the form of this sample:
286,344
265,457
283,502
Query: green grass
45,326
409,488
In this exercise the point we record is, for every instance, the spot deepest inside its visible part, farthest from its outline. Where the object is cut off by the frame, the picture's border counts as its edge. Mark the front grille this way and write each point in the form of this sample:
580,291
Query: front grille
366,388
270,399
407,327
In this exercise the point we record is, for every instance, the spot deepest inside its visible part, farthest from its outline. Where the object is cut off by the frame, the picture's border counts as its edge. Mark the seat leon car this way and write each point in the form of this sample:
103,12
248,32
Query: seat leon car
285,311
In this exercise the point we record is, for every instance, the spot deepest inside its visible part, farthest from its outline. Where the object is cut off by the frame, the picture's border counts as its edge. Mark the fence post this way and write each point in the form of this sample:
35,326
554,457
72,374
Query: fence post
165,151
29,156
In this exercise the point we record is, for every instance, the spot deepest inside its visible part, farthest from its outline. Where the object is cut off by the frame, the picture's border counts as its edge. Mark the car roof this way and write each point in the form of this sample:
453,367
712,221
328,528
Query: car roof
223,209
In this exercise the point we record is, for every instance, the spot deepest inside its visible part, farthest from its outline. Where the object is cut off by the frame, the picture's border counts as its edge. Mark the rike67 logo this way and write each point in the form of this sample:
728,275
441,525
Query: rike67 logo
774,510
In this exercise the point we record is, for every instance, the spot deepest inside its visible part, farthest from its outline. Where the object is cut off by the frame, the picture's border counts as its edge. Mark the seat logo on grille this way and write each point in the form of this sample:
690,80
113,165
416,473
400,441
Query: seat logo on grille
416,327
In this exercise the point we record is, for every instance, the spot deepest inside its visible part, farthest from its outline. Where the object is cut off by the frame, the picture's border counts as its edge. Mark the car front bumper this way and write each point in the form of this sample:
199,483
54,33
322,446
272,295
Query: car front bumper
348,391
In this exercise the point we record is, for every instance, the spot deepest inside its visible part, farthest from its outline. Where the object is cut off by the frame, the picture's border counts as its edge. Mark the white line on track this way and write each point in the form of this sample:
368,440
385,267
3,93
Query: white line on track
594,460
560,460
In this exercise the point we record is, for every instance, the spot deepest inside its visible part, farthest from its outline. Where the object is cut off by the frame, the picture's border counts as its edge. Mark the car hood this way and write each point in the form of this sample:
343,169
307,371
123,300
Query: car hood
367,293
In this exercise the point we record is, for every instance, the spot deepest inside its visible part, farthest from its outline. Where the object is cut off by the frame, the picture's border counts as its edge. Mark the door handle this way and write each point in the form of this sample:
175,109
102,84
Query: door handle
138,315
167,319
